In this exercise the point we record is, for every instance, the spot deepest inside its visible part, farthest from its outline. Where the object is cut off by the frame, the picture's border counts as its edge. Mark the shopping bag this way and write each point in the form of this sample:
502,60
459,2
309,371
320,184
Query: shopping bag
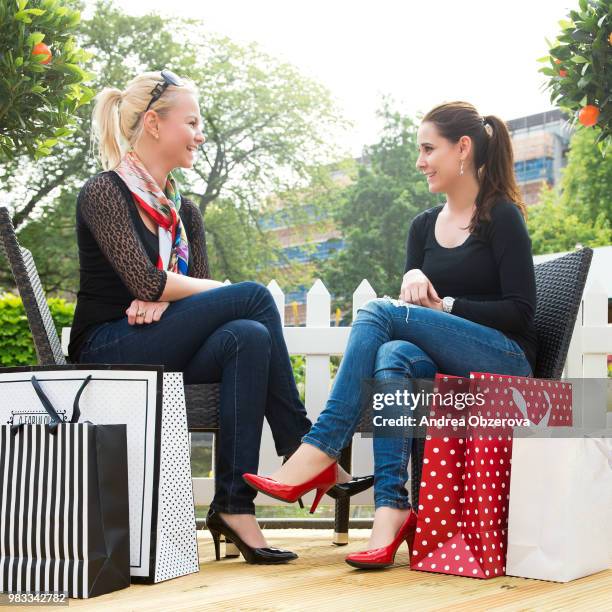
463,500
560,515
151,404
64,505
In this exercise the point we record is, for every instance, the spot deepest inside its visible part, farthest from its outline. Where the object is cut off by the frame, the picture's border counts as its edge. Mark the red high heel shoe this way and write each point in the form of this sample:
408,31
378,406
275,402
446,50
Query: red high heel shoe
385,556
322,482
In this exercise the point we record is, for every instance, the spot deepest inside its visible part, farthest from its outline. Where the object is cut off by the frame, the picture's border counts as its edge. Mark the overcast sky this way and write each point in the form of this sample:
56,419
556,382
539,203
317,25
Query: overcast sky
421,52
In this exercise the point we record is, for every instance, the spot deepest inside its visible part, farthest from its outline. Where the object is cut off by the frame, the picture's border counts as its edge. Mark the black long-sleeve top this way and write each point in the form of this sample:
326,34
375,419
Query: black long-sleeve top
118,253
490,275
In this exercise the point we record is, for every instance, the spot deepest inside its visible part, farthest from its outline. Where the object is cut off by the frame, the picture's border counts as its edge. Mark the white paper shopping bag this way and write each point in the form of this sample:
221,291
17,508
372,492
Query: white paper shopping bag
560,516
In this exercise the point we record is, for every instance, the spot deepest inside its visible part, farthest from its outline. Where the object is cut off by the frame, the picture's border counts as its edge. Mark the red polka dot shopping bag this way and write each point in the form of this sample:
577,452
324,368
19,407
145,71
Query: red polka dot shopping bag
465,482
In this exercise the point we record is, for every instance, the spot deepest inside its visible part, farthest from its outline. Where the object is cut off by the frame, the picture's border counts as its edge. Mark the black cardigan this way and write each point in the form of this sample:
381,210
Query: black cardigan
118,253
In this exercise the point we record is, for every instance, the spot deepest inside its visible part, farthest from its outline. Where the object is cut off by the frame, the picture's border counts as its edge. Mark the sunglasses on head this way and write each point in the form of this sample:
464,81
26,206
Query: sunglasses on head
169,79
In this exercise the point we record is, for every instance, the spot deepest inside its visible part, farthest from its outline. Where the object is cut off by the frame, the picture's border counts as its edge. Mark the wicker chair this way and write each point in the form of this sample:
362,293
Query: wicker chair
559,287
202,400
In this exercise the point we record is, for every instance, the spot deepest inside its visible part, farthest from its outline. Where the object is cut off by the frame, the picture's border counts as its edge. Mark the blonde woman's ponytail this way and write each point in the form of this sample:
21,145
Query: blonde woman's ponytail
106,129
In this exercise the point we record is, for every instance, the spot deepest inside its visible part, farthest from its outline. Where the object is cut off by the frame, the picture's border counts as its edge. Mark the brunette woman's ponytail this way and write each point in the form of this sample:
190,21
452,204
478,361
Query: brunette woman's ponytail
496,174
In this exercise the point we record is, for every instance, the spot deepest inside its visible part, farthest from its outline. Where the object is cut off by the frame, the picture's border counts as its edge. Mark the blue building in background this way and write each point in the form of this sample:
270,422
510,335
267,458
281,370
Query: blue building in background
540,143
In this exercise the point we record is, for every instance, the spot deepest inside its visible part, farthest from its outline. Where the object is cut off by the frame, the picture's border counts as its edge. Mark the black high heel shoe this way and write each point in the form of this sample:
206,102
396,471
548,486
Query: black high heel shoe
352,487
217,527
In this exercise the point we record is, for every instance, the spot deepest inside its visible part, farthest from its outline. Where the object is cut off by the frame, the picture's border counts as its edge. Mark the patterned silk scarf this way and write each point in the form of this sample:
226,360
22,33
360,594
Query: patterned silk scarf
162,207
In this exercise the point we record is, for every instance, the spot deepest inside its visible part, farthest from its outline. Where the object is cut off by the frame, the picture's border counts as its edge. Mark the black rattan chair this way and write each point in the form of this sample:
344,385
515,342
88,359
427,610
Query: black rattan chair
202,401
559,287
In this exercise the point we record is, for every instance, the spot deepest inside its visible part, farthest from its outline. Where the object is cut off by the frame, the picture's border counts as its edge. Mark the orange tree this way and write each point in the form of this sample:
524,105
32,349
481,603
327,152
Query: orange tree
579,67
41,80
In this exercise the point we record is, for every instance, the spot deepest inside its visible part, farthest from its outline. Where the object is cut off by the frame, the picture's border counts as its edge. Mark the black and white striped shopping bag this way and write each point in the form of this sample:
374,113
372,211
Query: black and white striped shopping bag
64,515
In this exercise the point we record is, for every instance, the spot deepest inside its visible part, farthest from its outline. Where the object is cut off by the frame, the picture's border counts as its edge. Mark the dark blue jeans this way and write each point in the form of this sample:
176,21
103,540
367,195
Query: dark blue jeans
390,342
234,335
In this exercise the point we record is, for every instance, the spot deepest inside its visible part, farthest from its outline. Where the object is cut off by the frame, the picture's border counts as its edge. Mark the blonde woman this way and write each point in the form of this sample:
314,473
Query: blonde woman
145,294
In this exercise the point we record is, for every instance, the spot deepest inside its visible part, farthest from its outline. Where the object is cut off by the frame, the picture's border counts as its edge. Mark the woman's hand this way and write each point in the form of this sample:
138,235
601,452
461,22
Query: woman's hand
417,289
141,312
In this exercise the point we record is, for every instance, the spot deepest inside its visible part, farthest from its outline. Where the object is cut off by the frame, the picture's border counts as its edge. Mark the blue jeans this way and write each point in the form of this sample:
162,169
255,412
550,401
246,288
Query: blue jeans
232,334
389,340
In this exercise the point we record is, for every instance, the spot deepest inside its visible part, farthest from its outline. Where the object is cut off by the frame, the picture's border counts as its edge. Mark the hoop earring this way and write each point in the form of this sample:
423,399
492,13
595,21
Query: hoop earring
461,169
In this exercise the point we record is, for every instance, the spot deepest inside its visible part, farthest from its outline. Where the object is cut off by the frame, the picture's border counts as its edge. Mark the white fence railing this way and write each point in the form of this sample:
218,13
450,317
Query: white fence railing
318,341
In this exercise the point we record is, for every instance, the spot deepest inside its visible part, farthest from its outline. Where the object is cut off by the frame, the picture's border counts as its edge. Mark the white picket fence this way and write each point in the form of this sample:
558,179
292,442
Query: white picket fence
318,341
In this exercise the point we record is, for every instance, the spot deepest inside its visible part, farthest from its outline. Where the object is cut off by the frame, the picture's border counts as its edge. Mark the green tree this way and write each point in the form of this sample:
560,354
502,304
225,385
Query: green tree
579,211
579,67
266,125
376,212
41,79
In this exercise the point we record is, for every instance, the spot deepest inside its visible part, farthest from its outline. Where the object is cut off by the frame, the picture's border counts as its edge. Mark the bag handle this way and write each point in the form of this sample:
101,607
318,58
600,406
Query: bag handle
55,418
76,411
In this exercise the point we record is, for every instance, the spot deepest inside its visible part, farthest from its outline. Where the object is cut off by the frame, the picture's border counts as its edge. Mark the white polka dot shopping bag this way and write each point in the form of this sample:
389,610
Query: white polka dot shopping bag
465,482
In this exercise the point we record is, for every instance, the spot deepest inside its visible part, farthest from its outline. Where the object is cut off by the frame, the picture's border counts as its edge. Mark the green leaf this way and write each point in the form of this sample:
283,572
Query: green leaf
582,36
34,38
562,52
63,131
75,70
578,59
22,16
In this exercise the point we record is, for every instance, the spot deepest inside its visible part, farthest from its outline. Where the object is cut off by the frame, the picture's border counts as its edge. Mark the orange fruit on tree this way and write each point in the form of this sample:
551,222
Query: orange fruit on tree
610,38
588,115
42,49
563,73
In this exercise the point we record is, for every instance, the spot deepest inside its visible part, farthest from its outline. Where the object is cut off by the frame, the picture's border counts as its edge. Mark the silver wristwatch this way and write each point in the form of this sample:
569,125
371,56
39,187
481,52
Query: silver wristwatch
447,304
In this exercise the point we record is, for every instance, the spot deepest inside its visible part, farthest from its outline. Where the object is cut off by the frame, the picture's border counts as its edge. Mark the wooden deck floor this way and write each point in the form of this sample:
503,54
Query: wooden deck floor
320,580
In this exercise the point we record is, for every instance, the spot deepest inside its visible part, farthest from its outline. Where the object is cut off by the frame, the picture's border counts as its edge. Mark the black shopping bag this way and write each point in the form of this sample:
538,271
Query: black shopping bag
64,511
